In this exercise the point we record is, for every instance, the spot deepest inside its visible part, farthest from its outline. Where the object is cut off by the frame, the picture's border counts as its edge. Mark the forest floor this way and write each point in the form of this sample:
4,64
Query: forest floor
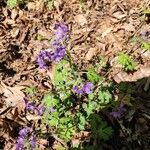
98,30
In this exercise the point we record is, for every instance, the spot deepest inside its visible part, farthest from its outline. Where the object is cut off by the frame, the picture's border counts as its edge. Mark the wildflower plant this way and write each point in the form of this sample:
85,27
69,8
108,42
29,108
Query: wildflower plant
127,63
76,96
72,101
26,139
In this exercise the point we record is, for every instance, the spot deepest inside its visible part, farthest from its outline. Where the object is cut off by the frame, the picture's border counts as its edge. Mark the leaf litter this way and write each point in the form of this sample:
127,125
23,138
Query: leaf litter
97,28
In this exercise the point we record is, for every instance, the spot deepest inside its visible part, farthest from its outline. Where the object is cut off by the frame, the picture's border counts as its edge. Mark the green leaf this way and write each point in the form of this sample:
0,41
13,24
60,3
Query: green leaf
100,129
91,96
30,91
40,37
11,3
147,11
50,101
104,96
92,75
61,148
146,45
90,107
126,62
53,122
81,121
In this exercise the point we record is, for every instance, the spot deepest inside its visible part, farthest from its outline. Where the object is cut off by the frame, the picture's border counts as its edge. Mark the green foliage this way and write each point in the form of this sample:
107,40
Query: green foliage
49,4
92,75
100,129
125,88
30,91
89,107
146,46
104,96
73,114
146,12
12,3
39,37
60,120
63,75
128,63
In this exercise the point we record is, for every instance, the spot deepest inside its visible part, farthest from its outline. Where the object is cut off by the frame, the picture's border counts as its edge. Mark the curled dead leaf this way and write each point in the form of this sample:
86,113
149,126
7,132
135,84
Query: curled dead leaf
80,19
119,15
122,76
13,94
92,52
14,14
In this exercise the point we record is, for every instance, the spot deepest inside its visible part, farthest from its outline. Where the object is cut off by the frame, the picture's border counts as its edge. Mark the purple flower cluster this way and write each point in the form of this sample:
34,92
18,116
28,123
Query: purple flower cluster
144,35
22,136
61,34
86,88
36,109
119,112
31,107
41,110
42,59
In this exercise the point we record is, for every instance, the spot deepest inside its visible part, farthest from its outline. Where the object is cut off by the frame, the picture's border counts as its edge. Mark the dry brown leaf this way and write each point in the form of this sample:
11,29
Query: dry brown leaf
92,52
9,22
119,15
31,6
128,27
57,5
33,117
15,32
14,14
51,72
80,19
143,72
107,31
13,94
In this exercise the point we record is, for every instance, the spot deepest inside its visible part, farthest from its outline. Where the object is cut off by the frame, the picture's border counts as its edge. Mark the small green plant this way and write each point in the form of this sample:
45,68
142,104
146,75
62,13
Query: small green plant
100,128
30,91
49,4
12,3
146,12
127,63
145,45
93,76
66,113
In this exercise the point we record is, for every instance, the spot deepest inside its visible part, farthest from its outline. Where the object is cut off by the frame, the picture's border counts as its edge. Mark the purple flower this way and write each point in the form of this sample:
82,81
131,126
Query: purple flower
42,58
119,112
51,110
145,35
33,142
58,54
77,90
20,142
87,87
61,32
22,135
41,110
23,132
116,114
30,106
